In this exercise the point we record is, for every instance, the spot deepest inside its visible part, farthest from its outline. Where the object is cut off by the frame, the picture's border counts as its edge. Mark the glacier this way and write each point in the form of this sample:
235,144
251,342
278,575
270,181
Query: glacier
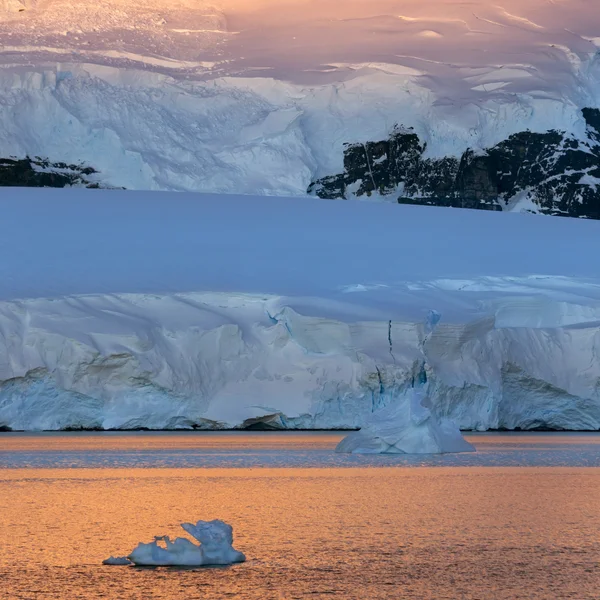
257,136
128,310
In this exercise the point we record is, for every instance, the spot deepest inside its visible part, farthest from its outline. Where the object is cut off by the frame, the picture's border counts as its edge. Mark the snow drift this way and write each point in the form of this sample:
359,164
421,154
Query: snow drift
129,310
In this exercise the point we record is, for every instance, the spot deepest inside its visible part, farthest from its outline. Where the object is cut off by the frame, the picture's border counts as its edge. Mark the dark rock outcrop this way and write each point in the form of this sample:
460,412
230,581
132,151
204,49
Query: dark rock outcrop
38,172
554,172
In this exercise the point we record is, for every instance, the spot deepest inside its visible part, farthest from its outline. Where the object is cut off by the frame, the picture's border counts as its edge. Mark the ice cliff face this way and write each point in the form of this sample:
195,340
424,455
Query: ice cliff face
221,361
321,312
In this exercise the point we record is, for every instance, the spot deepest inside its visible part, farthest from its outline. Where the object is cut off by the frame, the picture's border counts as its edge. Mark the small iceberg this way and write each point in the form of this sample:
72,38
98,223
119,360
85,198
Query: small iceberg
406,427
215,548
117,561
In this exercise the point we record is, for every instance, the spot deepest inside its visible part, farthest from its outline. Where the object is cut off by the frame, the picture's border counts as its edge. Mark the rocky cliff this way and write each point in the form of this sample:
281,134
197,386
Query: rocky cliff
552,173
38,172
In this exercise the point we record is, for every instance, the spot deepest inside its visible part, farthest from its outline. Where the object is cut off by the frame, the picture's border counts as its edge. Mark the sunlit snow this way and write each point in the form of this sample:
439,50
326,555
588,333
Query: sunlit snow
259,97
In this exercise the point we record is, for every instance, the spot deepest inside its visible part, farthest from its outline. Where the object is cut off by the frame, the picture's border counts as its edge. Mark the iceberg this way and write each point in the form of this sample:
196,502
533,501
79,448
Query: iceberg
409,426
215,548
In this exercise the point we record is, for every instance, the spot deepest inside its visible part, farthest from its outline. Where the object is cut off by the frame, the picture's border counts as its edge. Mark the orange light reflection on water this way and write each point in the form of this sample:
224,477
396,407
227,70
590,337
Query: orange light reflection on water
443,533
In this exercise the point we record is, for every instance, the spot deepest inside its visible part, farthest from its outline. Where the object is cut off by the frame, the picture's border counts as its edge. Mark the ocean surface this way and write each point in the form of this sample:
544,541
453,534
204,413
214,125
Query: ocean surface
519,519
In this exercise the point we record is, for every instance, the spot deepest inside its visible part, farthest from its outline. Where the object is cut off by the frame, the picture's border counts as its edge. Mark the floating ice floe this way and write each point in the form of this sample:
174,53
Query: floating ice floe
215,548
409,426
117,561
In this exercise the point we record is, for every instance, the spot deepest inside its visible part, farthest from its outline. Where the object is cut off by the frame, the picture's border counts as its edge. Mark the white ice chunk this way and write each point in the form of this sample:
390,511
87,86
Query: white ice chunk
215,548
409,426
117,561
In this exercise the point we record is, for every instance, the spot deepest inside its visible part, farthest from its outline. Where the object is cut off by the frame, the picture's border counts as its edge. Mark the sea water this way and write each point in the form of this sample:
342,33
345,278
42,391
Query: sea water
518,519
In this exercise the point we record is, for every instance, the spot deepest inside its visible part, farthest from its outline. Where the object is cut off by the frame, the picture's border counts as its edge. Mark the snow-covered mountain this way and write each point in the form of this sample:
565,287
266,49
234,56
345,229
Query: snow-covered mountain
262,97
124,309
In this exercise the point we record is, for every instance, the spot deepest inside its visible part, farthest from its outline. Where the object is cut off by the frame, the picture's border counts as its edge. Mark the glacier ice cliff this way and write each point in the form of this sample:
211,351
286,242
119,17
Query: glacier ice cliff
218,361
164,311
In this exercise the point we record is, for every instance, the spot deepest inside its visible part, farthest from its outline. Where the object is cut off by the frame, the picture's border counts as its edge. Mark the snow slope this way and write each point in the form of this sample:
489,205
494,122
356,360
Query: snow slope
259,97
466,50
123,309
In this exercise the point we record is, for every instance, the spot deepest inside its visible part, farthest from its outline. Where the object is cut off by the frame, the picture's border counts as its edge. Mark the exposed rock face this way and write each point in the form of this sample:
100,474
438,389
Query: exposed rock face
28,172
552,173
